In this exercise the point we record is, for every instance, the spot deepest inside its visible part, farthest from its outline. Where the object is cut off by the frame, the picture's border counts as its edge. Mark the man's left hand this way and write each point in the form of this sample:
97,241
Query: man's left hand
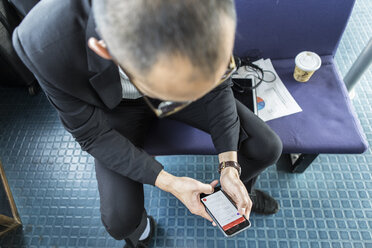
235,188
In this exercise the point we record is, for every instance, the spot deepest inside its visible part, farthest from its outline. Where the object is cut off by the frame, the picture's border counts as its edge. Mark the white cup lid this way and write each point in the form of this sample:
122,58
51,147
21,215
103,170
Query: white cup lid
308,61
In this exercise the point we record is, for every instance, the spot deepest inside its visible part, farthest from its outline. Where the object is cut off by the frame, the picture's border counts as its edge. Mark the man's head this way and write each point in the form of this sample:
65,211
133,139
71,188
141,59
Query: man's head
173,50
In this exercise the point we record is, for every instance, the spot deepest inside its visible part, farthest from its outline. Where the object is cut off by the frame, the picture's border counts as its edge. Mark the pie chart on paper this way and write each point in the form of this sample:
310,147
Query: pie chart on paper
260,103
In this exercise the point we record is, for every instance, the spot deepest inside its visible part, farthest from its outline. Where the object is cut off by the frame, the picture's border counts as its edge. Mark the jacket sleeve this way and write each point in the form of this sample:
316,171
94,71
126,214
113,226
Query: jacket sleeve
224,123
88,126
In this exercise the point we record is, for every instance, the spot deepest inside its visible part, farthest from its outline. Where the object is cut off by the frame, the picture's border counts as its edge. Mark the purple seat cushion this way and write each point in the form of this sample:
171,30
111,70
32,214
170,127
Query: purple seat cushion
169,137
327,123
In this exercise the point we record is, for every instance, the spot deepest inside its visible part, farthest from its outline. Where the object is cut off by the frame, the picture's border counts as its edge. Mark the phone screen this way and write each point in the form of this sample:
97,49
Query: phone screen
224,212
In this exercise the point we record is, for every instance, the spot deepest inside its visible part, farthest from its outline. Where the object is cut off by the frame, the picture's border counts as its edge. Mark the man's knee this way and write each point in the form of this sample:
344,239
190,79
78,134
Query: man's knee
266,150
274,149
121,223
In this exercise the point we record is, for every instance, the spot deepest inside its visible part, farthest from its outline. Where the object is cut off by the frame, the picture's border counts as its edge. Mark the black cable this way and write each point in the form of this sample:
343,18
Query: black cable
256,69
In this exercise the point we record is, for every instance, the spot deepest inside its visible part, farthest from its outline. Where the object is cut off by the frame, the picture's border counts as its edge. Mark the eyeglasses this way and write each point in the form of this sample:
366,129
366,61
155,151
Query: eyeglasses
166,108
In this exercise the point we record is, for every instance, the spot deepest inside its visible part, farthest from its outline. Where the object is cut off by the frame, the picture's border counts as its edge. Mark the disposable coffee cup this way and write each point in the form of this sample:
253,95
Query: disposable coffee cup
306,64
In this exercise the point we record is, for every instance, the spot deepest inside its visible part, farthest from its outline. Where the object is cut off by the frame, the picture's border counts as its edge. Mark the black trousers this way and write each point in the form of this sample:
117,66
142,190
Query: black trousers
122,199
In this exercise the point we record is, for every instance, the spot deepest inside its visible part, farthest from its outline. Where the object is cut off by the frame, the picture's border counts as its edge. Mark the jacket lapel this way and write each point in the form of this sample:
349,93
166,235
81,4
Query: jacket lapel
108,87
106,81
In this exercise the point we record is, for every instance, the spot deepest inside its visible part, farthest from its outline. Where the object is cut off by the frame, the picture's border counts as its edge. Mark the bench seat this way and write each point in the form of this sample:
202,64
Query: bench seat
327,124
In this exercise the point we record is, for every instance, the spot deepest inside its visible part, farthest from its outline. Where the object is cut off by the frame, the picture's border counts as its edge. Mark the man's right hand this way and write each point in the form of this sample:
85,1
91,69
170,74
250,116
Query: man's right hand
187,190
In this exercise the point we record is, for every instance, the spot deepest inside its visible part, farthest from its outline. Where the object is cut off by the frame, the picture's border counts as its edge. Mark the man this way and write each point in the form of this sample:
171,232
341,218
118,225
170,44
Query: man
111,67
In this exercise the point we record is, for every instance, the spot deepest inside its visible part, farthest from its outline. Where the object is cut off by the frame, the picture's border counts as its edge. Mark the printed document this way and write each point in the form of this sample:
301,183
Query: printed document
273,98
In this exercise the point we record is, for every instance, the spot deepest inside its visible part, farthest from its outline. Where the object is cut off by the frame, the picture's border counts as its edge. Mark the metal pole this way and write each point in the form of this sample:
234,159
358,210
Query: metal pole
359,67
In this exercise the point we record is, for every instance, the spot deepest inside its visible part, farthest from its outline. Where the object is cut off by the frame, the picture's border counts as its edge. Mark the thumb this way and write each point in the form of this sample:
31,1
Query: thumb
214,183
205,188
242,211
242,208
239,203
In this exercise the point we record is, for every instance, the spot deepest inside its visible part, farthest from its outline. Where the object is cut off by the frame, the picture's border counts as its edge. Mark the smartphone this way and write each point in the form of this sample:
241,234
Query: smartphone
224,212
244,93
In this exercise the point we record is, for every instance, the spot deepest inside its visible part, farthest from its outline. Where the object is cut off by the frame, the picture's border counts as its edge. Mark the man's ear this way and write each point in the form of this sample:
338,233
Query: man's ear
99,47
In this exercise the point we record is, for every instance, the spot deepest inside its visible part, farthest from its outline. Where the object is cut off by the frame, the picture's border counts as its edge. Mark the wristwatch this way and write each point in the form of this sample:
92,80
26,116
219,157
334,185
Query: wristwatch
225,164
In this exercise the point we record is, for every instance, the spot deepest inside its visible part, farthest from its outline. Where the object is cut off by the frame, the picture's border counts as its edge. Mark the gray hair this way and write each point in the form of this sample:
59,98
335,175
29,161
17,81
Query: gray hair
141,30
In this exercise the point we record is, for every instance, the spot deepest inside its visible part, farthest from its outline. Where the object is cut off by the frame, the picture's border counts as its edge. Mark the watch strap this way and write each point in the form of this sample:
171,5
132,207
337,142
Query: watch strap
225,164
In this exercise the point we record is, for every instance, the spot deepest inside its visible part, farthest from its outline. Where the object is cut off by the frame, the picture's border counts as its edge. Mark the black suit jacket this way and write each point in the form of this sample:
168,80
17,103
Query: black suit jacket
52,42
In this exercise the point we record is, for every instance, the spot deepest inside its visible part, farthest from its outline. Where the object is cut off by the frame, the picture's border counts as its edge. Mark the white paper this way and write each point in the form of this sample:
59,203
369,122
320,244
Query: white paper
278,102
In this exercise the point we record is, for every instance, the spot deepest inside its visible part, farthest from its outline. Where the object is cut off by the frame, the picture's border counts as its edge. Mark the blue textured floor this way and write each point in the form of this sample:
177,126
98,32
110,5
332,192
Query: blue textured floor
54,184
